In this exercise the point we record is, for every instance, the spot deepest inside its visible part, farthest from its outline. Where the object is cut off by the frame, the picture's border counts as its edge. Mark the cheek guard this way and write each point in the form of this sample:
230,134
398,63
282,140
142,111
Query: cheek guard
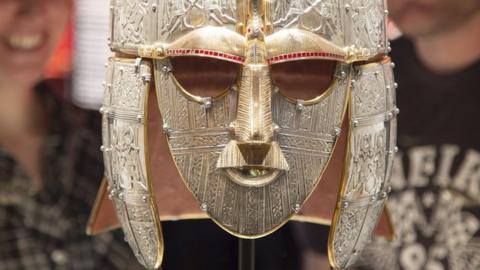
252,154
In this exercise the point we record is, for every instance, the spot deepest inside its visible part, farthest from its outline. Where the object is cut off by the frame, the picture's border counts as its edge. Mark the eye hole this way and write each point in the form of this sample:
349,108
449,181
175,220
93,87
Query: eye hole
304,80
204,77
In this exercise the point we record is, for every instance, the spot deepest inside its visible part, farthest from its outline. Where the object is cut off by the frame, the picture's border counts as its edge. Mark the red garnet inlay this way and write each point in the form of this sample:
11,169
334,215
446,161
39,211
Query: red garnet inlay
304,55
204,52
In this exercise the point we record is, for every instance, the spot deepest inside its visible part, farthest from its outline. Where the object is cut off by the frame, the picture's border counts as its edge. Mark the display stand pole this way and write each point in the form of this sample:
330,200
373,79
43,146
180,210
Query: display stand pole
246,254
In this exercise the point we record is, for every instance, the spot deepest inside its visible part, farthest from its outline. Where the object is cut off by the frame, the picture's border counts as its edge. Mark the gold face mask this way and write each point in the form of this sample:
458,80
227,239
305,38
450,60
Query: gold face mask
250,141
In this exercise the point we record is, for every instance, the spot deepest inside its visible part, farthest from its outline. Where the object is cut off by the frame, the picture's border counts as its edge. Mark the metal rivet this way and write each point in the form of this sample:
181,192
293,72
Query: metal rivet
395,85
204,207
297,208
395,149
207,103
300,105
355,123
397,111
392,65
346,205
138,61
276,128
113,193
337,131
146,78
102,148
166,69
166,128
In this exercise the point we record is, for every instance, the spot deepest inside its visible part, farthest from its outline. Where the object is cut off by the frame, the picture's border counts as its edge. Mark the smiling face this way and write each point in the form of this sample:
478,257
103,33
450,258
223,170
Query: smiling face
29,33
425,17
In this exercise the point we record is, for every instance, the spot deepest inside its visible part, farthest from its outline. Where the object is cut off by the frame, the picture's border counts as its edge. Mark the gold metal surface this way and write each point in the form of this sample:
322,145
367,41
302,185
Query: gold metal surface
252,156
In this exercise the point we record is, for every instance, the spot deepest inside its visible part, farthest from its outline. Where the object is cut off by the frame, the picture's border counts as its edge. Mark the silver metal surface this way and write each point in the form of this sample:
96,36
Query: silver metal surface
356,27
126,90
251,157
369,161
136,23
197,137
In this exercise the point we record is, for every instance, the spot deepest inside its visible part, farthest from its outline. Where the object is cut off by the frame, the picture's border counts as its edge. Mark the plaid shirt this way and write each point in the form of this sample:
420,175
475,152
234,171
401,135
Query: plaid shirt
46,229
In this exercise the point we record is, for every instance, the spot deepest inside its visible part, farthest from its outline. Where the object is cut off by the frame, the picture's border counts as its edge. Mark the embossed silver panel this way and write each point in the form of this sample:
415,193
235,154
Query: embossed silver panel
355,24
366,22
325,18
355,27
136,23
369,161
181,16
132,23
126,90
197,135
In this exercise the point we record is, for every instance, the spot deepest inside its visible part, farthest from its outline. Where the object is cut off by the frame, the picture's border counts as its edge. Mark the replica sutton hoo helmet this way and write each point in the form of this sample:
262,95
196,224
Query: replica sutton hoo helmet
250,130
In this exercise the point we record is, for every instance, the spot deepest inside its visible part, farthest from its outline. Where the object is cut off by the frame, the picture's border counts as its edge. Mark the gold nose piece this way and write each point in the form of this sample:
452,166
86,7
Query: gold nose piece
253,156
254,116
252,164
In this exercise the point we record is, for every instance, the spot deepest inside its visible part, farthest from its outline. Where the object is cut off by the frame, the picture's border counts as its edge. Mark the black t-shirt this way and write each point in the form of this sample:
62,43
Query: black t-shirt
435,200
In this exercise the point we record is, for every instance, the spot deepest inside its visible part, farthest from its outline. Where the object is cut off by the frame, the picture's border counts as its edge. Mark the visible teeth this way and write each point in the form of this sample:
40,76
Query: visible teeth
25,42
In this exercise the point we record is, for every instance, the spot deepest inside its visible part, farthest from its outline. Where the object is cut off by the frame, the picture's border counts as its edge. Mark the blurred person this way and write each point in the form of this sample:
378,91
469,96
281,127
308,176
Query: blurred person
50,163
435,200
